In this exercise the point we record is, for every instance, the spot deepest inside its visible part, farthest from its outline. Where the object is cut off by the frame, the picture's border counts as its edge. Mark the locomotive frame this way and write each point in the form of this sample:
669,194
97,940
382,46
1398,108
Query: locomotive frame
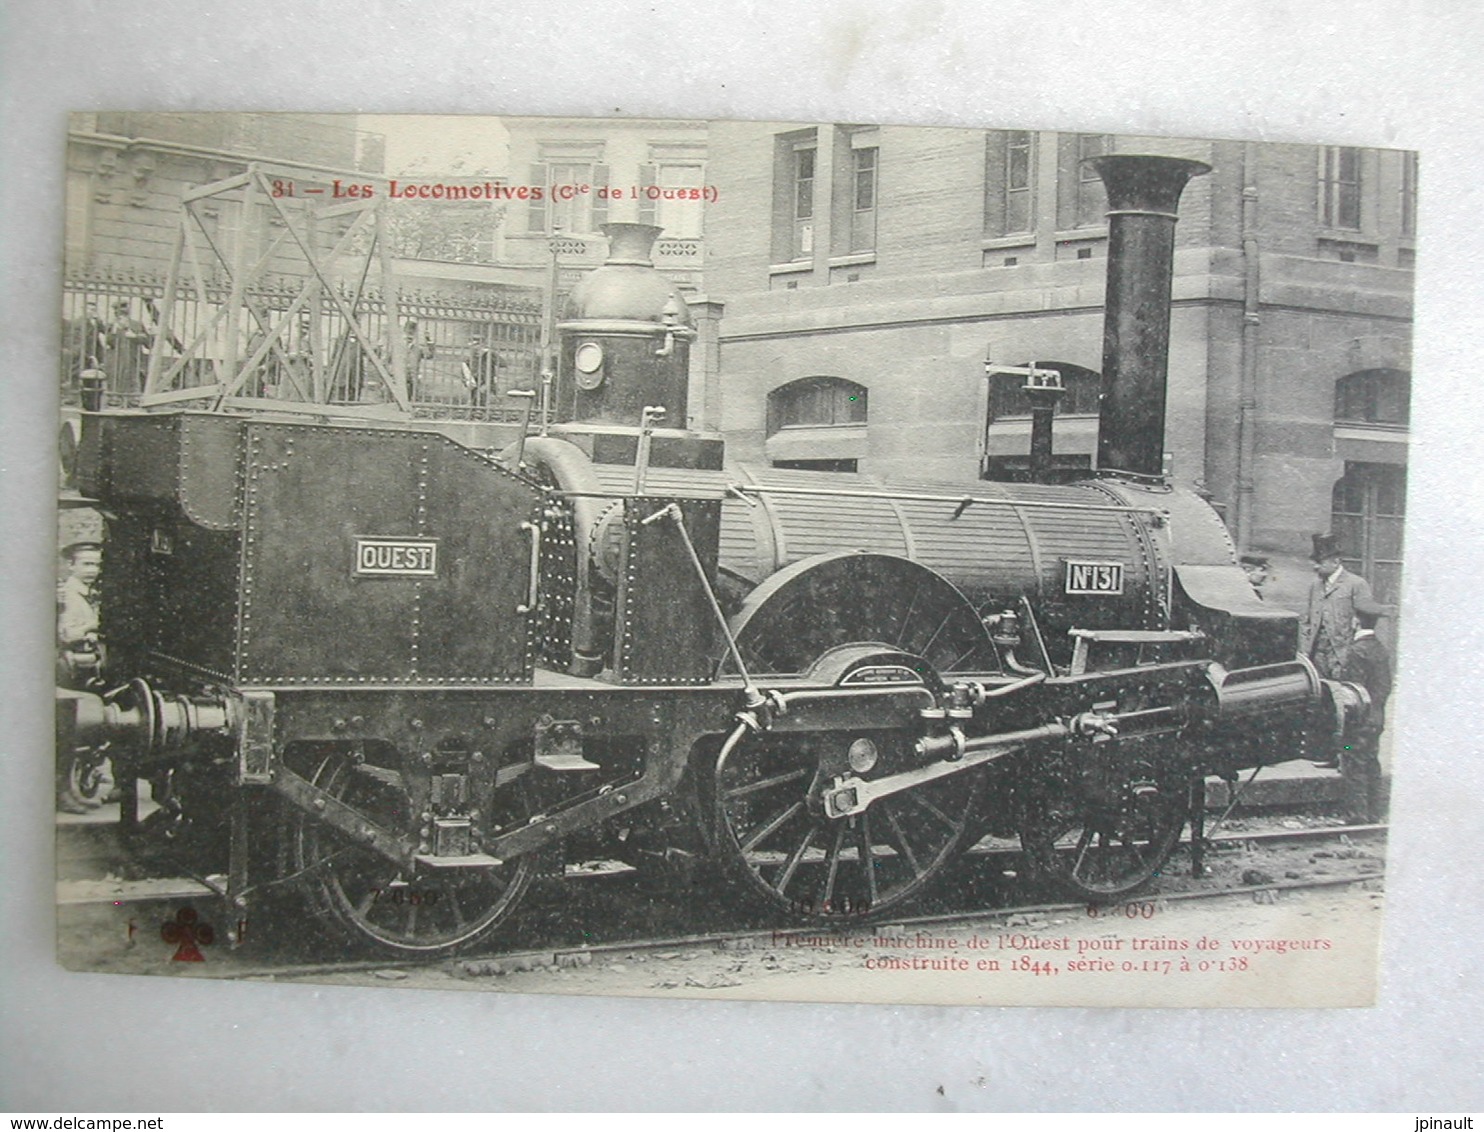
400,673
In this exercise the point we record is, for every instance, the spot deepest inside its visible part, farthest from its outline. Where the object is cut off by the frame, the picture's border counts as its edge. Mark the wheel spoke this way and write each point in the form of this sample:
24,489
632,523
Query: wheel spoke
961,657
1084,843
758,837
452,896
764,783
891,820
916,798
868,859
794,859
911,607
829,882
927,649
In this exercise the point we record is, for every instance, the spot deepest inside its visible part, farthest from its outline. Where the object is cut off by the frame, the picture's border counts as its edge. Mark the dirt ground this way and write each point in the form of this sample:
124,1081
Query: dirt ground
1313,947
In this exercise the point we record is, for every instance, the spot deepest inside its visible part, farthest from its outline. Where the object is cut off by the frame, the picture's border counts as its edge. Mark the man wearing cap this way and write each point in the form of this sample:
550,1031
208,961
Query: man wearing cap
77,596
126,351
79,658
1328,628
1257,568
1369,665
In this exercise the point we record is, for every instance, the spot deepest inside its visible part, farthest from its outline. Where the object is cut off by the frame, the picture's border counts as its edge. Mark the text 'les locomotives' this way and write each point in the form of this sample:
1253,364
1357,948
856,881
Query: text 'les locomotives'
490,191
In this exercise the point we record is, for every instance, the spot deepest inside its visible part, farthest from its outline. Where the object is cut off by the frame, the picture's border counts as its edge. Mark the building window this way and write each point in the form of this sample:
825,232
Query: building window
1368,506
1080,199
816,402
794,167
1409,194
583,212
818,465
1339,187
863,199
1373,397
1009,203
1007,396
802,195
665,198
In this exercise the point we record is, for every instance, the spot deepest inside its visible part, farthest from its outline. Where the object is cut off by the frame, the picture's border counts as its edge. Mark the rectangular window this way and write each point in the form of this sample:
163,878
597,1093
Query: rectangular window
803,197
1092,200
1409,194
1009,164
676,212
581,212
863,200
1080,199
568,215
1339,187
1018,182
803,184
794,167
649,212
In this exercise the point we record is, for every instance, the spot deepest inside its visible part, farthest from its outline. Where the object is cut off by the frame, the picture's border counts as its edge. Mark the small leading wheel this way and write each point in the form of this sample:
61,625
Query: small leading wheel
1099,844
375,902
89,778
777,837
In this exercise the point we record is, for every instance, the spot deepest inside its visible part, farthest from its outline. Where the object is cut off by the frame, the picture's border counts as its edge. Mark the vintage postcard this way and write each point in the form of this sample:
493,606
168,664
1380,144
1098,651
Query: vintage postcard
798,561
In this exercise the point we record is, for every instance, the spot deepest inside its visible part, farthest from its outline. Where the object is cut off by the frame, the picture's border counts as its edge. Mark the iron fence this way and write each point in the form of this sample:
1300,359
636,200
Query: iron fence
463,352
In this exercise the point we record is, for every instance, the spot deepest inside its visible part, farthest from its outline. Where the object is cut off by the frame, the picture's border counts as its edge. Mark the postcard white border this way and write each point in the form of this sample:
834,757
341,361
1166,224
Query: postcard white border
1386,72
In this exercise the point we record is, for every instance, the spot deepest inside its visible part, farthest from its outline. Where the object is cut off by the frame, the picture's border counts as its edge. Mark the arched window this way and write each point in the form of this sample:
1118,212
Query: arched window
1373,396
1007,397
816,402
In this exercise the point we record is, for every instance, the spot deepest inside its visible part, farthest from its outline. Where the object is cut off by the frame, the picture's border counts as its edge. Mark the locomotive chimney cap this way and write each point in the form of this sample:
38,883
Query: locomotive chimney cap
627,287
1145,183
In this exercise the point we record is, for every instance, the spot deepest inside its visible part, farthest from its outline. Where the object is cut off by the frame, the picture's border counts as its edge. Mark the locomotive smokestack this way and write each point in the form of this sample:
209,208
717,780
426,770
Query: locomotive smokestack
625,339
1143,193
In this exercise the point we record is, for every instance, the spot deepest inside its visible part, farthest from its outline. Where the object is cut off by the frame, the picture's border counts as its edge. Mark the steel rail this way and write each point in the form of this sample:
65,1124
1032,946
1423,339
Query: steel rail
510,962
504,962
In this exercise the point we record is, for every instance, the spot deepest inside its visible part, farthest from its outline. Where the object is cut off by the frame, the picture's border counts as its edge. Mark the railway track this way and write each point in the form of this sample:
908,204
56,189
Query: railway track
553,920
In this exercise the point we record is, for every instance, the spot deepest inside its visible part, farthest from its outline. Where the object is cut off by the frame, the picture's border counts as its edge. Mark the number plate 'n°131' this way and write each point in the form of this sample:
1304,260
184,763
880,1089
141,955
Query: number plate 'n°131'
1094,577
396,557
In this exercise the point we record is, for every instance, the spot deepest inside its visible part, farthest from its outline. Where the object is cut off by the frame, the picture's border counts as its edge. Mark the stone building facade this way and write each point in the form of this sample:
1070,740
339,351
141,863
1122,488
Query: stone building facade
593,170
868,271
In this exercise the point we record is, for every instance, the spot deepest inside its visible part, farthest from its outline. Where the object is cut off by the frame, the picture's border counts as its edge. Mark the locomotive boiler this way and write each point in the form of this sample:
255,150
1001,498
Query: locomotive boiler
401,674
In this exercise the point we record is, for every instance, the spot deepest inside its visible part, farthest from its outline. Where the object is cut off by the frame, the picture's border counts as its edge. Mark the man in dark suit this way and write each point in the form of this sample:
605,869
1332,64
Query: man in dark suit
1369,665
1328,627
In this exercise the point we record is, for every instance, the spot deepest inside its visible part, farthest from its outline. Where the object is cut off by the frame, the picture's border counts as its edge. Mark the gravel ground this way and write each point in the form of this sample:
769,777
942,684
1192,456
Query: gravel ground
1313,946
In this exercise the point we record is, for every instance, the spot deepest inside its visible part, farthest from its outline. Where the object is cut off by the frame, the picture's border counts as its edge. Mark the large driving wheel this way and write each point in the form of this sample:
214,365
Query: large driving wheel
374,902
831,600
844,618
1101,840
777,837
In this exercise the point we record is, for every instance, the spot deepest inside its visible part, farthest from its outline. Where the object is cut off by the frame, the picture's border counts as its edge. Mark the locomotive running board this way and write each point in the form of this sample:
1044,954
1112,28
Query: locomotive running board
467,861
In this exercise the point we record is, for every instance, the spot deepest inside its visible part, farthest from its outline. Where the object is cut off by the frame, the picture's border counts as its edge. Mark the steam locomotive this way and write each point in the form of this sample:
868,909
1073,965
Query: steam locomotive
400,673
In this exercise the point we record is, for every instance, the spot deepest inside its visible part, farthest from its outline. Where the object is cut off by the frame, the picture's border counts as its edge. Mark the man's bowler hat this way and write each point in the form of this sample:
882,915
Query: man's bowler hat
1325,546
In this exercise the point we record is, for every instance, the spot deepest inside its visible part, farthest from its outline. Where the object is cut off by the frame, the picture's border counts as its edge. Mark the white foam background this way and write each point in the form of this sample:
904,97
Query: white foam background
1379,73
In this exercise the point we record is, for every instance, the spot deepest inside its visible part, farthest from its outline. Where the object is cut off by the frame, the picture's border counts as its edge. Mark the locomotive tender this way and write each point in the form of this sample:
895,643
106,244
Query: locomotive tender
400,673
